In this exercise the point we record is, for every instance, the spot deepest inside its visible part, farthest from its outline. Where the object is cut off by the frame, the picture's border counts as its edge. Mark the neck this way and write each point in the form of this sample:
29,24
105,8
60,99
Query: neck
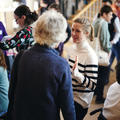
104,18
81,44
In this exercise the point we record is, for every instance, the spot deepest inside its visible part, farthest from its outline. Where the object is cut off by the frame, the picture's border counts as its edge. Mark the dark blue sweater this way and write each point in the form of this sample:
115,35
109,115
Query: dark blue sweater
44,86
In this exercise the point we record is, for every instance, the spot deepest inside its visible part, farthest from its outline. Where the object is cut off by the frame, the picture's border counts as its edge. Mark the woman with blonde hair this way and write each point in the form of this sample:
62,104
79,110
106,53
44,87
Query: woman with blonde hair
84,66
4,84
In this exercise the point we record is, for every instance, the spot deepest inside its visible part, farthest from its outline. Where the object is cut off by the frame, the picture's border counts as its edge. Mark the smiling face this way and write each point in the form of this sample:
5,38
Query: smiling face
20,20
78,34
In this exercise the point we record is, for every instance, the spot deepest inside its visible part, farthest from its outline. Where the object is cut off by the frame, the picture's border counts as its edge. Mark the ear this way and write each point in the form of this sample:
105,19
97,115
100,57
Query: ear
23,17
104,15
87,34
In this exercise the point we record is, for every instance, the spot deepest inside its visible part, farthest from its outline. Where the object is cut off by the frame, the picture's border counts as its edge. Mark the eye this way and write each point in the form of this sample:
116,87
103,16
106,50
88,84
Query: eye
78,31
73,29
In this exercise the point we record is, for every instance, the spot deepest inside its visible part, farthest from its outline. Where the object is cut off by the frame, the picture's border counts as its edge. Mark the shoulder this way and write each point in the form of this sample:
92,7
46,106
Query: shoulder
60,61
27,29
1,23
19,55
91,56
2,71
114,87
104,23
116,20
114,90
104,26
1,68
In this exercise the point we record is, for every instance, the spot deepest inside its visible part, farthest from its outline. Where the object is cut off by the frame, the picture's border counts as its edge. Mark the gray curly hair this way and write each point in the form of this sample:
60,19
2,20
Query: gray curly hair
50,28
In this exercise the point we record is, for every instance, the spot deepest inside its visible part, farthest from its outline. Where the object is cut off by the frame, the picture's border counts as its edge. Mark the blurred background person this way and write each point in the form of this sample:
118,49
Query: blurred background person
104,37
116,8
23,38
8,54
4,85
44,4
111,108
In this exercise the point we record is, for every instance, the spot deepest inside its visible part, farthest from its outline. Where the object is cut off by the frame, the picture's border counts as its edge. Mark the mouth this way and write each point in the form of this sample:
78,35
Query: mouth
75,38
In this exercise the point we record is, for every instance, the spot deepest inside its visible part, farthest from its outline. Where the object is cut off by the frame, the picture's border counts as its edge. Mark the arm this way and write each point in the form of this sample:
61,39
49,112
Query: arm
19,39
3,29
105,38
66,96
112,102
117,30
87,79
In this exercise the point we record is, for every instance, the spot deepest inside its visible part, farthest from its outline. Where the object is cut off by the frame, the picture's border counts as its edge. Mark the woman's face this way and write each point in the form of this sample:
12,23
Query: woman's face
77,33
19,21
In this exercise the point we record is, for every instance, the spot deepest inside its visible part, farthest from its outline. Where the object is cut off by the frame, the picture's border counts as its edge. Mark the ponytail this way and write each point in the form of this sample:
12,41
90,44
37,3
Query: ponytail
91,33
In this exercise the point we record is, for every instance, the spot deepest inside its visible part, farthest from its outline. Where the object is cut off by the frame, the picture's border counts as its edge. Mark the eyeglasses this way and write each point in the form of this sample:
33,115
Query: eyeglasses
17,19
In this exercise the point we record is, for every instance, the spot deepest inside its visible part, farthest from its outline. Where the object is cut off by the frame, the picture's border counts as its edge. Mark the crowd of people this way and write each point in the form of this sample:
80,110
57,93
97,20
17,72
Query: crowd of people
42,81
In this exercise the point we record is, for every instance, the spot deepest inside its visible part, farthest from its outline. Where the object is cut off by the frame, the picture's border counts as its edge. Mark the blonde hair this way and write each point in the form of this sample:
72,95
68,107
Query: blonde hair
2,60
87,27
50,28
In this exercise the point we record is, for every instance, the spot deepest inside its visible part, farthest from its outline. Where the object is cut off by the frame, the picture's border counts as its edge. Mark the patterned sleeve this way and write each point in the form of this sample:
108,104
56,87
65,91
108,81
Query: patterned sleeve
20,38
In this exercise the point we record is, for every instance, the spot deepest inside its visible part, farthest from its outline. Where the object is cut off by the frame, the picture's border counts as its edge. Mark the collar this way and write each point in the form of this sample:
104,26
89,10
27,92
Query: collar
45,48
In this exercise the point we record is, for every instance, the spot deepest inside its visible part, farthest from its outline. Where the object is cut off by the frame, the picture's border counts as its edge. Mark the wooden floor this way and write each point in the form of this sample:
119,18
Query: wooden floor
95,106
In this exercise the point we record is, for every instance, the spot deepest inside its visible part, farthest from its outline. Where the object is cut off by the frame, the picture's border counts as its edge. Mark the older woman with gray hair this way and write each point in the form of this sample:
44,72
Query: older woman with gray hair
44,79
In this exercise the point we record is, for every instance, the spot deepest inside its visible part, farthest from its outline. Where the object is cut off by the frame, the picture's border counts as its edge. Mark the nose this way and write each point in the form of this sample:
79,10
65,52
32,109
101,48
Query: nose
73,32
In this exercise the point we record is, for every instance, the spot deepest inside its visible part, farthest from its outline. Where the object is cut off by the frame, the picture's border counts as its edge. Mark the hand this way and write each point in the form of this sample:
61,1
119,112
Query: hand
109,54
76,63
112,42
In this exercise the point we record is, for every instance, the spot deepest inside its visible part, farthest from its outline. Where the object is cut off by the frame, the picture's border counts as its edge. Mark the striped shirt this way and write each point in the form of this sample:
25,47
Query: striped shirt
84,77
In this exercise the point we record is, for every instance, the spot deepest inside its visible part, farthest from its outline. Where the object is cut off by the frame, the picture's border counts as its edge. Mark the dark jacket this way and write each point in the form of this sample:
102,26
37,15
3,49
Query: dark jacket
43,86
111,27
13,84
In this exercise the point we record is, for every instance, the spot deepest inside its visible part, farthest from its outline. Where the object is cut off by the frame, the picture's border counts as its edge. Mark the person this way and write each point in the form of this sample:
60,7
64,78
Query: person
8,57
44,4
84,66
44,84
60,47
66,7
23,38
4,85
104,2
106,15
116,8
111,108
2,31
114,30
